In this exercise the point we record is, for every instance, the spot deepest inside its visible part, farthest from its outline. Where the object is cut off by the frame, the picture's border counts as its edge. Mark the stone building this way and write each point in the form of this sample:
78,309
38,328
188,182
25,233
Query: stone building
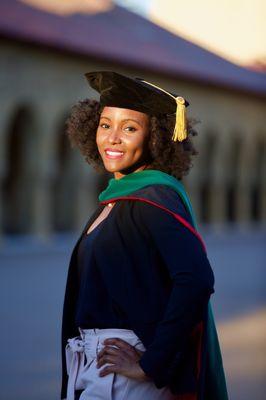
47,187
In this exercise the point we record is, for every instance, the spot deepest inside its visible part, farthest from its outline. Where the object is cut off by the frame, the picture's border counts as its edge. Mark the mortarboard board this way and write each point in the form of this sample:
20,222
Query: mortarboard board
117,90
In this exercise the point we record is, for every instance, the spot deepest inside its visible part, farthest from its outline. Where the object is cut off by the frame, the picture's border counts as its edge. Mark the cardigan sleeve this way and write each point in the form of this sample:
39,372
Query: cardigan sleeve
192,284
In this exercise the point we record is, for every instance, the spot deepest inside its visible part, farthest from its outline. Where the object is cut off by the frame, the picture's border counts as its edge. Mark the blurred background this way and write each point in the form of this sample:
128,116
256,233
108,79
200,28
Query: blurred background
212,53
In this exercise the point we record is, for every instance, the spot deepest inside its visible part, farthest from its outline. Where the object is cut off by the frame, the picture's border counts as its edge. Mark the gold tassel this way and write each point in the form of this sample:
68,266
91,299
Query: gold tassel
180,131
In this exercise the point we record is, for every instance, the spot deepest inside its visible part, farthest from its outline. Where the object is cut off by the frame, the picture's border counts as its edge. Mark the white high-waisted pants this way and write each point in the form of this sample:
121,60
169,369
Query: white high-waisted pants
113,386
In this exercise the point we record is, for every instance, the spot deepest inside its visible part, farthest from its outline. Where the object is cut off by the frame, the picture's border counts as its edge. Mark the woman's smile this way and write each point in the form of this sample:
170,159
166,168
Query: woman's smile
113,154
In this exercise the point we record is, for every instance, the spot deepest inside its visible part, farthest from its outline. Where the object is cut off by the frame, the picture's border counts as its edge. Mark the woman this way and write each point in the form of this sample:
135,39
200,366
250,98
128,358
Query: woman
137,322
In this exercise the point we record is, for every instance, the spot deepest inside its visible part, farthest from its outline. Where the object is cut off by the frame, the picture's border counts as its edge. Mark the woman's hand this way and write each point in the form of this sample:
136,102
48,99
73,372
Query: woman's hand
124,359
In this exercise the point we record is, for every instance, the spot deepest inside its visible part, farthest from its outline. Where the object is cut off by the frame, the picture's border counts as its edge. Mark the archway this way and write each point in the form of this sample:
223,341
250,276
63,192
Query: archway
19,154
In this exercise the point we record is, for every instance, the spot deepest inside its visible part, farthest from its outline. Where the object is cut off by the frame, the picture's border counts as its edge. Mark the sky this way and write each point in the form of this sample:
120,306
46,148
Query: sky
234,29
140,6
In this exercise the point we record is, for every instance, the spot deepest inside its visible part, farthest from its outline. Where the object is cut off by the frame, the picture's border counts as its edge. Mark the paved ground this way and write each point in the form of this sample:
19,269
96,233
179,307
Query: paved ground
243,341
32,287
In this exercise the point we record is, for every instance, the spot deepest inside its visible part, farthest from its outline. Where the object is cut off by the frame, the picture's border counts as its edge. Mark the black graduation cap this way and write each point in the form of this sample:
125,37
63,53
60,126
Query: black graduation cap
117,90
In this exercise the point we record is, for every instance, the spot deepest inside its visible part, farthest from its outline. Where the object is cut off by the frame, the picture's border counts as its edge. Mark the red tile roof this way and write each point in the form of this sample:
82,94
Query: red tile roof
126,38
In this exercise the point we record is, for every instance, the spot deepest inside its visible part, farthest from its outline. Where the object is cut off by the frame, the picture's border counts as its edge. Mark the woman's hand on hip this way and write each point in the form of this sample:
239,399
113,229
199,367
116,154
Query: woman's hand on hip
124,359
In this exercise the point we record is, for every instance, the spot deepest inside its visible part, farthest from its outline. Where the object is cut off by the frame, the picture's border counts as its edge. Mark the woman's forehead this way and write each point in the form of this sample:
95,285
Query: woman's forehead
117,112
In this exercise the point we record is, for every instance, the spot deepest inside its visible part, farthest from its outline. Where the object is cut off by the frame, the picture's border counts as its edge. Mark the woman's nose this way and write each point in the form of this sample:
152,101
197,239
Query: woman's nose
114,136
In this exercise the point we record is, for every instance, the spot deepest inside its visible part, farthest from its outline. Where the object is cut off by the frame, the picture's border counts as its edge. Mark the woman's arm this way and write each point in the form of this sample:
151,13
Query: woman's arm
193,280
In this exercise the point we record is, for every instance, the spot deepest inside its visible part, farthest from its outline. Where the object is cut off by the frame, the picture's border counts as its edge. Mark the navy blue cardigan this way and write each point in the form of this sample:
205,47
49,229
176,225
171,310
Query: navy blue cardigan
157,271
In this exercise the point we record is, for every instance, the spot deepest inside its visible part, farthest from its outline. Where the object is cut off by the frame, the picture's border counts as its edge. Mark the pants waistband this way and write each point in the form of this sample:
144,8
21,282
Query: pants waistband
102,332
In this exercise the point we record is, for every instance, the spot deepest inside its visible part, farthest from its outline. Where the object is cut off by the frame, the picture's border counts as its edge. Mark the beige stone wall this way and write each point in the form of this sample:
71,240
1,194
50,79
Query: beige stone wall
46,186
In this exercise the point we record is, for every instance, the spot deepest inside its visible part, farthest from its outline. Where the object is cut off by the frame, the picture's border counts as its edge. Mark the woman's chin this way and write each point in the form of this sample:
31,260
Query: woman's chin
113,166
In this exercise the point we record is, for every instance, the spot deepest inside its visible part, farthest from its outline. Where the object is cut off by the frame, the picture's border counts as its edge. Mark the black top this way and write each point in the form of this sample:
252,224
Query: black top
95,307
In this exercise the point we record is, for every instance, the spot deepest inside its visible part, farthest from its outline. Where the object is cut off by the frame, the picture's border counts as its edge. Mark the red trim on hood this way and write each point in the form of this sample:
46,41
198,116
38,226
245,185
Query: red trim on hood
176,216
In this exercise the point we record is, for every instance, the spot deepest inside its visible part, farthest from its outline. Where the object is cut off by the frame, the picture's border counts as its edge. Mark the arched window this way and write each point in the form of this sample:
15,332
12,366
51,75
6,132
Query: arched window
17,199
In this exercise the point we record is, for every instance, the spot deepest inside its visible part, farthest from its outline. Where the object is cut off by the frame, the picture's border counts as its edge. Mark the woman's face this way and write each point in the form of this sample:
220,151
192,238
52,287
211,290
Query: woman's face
122,139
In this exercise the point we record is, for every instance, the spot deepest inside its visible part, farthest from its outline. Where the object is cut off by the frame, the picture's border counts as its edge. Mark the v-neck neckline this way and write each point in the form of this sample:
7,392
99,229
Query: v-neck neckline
100,223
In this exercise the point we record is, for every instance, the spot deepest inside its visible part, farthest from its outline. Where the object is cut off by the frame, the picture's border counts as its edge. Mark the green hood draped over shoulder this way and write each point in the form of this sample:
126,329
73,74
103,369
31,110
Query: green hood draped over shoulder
137,180
128,184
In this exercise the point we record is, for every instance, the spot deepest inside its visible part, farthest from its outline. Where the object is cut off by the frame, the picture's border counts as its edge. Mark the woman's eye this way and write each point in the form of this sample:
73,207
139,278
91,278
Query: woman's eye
131,128
105,126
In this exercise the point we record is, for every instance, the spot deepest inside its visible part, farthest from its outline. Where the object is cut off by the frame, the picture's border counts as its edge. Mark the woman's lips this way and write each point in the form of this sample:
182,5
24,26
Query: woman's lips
112,154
